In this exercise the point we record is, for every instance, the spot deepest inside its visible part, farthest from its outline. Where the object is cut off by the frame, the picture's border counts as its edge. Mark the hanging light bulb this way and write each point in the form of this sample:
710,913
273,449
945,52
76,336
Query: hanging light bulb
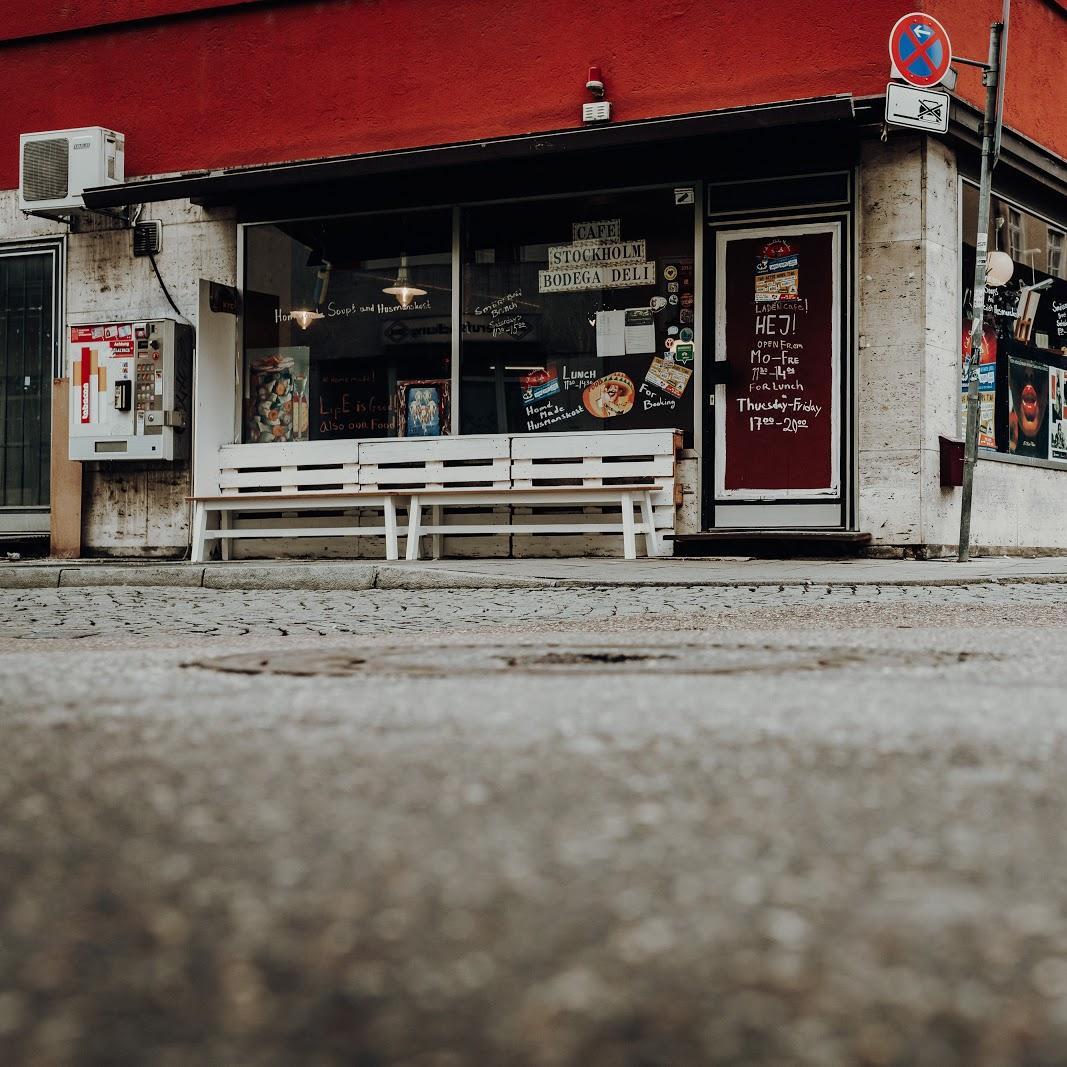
402,288
304,318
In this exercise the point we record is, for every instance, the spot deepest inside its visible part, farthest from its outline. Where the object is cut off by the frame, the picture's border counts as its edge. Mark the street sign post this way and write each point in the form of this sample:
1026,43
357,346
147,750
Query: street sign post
918,109
920,50
993,75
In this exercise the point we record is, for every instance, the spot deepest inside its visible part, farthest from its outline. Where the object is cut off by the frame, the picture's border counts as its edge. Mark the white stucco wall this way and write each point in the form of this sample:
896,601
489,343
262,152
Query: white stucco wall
134,508
891,353
908,369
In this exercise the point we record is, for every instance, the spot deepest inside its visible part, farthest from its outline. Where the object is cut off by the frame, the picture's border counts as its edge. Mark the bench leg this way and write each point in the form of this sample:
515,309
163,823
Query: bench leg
653,547
414,521
225,543
629,537
199,529
435,539
392,550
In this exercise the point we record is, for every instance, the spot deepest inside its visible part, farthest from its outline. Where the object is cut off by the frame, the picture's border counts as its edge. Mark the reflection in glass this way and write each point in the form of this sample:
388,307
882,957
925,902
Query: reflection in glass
326,343
572,310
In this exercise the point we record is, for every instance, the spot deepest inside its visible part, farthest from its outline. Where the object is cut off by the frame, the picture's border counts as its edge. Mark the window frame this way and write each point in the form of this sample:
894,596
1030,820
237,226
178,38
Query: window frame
1012,203
457,208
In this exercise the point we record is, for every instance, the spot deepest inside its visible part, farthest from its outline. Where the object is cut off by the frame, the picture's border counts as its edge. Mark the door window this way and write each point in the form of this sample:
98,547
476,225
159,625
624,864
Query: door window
27,346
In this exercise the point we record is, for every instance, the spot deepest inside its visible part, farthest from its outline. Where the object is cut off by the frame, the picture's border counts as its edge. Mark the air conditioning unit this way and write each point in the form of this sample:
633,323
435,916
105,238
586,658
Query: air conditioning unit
55,167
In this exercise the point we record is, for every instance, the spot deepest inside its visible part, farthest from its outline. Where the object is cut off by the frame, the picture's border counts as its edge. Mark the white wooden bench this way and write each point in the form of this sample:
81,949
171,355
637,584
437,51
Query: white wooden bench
287,478
535,474
625,469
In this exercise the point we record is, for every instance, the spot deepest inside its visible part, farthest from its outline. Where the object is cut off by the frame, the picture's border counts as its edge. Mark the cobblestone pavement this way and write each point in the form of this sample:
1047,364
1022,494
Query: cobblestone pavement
130,613
599,827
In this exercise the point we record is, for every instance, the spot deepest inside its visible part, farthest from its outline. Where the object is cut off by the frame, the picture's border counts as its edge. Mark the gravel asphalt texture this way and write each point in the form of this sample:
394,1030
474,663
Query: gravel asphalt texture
534,828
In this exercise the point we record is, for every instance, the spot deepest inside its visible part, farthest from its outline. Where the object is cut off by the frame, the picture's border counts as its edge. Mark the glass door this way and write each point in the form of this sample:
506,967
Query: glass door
27,354
777,430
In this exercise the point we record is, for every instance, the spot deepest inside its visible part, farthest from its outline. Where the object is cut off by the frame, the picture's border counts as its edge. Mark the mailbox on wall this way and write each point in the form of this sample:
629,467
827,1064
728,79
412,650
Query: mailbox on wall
130,390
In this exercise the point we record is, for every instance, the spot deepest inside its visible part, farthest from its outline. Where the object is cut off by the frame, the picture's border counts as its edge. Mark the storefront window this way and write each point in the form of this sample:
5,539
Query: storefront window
1023,362
579,314
347,328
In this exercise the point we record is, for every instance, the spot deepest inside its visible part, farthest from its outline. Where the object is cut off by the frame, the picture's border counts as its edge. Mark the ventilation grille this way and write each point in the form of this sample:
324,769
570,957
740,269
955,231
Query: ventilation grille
147,238
44,169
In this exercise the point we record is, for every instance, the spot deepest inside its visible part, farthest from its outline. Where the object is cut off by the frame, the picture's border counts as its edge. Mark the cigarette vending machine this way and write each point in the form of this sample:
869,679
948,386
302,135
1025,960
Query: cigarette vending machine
130,390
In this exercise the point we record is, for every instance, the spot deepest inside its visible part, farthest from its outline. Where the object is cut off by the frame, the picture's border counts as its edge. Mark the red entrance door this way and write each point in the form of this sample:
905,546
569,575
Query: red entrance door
777,447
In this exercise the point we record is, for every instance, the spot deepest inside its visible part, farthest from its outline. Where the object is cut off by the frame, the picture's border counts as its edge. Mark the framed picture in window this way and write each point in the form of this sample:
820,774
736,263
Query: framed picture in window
423,407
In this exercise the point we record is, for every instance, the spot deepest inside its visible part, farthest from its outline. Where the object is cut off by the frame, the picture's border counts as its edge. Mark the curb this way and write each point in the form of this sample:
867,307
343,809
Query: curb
357,577
360,577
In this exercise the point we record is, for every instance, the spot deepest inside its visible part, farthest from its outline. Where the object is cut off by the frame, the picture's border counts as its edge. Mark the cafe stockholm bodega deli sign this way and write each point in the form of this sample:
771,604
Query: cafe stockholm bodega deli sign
596,258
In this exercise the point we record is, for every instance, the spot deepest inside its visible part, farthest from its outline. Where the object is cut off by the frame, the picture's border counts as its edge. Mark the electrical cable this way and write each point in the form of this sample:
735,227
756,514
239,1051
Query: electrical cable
166,291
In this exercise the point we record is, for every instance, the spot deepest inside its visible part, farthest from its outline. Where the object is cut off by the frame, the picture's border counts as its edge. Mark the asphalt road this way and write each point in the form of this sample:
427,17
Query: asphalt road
603,827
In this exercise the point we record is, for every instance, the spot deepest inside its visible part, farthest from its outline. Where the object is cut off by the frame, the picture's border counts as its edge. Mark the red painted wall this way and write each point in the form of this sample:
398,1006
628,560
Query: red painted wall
29,19
1036,96
264,80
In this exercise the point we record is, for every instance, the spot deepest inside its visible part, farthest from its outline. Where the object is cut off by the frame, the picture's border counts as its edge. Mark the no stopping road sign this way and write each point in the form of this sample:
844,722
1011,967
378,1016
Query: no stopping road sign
920,49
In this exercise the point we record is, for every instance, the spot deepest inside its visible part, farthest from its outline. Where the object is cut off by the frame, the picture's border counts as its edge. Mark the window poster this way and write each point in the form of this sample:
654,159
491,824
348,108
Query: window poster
987,386
1028,408
1057,390
779,332
276,404
1058,324
777,271
423,408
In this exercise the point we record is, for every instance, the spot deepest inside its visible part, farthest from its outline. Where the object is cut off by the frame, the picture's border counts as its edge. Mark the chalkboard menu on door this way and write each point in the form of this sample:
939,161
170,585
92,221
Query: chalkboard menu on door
780,341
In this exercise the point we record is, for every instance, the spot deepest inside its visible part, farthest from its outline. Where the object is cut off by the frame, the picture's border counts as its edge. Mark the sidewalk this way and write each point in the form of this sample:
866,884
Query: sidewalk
526,573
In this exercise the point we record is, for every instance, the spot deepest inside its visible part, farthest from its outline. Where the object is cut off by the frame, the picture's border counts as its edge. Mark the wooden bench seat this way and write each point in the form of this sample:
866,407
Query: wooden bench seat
626,496
228,506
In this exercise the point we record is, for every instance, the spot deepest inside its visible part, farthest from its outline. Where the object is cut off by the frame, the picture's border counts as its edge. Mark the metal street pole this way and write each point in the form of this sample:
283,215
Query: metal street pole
991,79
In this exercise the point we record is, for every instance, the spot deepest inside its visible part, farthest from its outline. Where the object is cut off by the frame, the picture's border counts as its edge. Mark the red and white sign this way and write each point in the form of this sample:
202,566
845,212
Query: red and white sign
920,50
118,337
85,379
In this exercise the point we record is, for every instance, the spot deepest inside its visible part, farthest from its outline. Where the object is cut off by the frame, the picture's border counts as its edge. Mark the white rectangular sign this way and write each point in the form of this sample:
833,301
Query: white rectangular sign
577,279
594,253
918,109
598,230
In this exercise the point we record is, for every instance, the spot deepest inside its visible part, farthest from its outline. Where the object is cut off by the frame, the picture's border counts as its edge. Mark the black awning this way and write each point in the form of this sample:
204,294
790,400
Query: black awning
214,188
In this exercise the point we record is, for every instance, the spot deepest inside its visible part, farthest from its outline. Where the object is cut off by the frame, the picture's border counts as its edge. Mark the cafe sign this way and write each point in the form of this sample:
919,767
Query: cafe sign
596,258
583,278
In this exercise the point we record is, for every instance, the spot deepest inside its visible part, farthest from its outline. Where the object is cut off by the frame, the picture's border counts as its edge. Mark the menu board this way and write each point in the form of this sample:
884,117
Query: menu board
780,323
640,376
349,399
